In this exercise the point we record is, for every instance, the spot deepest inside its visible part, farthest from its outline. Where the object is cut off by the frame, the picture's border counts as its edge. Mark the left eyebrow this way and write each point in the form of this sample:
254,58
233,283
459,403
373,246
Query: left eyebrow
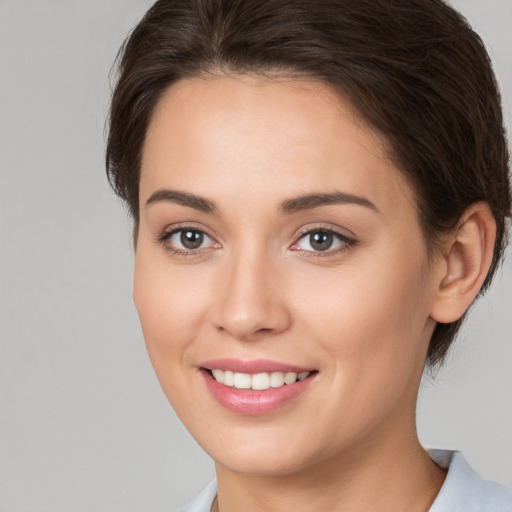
310,201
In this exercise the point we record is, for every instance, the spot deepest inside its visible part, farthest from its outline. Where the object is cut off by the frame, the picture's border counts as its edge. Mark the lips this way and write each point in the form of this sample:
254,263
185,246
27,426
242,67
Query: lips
254,387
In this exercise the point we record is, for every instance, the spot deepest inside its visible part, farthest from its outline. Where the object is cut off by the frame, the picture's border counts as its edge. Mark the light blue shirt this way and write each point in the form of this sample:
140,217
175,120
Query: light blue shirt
463,489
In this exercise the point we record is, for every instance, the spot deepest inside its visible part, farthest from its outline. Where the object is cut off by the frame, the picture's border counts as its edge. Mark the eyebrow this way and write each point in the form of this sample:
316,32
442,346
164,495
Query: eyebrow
184,198
293,205
310,201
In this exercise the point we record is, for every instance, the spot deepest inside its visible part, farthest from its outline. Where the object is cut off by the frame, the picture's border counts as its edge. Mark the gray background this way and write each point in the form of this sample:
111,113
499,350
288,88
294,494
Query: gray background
84,425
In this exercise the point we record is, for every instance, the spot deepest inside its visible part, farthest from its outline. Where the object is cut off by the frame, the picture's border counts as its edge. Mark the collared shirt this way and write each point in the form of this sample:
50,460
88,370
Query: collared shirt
463,489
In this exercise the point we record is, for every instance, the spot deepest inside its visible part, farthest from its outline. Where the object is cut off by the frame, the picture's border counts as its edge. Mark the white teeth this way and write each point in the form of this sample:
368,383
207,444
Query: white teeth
290,378
242,381
276,379
219,375
229,378
257,381
260,381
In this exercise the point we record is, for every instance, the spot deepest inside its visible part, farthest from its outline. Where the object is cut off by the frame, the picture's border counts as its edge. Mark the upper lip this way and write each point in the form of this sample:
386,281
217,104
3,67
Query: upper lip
253,366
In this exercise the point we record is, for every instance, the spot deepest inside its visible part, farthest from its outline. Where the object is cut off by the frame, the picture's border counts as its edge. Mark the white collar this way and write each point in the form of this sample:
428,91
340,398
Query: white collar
464,490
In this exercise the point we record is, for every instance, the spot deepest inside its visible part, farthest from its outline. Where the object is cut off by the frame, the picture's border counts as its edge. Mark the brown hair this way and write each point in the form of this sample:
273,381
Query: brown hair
414,70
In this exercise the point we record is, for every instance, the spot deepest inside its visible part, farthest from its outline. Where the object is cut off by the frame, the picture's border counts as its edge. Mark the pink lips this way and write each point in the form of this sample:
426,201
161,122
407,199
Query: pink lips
248,401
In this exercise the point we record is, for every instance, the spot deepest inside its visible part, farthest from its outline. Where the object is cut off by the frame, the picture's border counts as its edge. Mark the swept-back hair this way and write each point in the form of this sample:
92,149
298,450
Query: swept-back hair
414,70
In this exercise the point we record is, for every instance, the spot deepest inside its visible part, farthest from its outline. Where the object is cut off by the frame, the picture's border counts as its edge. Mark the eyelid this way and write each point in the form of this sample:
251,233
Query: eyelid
320,226
347,240
164,238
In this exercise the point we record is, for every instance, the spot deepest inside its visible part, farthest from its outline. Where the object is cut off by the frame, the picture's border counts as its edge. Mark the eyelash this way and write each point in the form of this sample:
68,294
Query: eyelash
346,241
165,237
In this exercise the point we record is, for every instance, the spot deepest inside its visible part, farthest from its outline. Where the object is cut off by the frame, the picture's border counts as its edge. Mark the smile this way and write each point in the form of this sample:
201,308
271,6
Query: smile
255,387
257,381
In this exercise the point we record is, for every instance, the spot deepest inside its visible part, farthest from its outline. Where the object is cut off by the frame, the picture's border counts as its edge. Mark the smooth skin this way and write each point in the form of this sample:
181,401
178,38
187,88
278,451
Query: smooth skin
360,309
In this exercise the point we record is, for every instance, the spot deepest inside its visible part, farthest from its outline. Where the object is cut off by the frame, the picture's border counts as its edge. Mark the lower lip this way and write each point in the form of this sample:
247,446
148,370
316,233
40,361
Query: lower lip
253,402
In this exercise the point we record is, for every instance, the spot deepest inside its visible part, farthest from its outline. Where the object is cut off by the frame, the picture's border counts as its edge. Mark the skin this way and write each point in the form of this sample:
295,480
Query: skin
361,313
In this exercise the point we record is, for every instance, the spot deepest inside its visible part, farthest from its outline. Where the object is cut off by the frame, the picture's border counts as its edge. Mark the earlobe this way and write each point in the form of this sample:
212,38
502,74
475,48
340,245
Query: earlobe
466,259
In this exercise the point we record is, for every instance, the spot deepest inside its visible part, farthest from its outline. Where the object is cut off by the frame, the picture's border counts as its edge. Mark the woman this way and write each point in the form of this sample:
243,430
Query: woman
320,191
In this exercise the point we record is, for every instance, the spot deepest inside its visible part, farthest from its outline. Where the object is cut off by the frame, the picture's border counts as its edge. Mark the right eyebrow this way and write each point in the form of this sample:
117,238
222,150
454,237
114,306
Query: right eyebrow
184,198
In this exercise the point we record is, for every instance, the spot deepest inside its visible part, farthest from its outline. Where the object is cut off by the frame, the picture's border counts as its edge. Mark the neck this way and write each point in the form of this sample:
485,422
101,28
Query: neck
395,476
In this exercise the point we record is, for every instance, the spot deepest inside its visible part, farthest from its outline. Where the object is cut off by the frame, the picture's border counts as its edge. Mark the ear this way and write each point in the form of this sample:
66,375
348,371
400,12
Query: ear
464,263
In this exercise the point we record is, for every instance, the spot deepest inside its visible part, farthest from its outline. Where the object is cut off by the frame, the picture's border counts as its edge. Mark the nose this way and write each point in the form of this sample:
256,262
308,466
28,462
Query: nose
251,300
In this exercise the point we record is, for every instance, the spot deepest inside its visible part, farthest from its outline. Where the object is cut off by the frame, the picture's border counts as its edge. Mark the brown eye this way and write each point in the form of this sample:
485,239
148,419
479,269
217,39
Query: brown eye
321,240
187,239
191,239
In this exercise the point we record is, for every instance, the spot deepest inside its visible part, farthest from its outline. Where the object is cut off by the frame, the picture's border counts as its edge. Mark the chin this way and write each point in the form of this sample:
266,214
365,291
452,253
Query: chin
261,465
277,457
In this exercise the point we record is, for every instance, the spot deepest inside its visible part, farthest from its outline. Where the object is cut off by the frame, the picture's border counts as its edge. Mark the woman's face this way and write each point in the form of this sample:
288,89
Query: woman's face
276,239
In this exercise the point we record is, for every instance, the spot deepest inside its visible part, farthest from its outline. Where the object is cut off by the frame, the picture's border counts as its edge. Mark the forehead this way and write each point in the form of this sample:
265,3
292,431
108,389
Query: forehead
267,137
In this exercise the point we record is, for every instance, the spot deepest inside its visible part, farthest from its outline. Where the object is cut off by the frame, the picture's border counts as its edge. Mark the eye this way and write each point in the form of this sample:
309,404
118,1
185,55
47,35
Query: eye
186,240
322,240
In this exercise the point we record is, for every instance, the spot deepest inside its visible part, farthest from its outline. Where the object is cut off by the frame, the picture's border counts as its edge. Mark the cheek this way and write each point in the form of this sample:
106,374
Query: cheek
367,302
171,304
372,322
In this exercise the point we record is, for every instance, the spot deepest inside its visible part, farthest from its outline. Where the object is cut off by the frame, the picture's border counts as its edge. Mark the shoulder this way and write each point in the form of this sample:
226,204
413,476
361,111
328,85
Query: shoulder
203,501
466,491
